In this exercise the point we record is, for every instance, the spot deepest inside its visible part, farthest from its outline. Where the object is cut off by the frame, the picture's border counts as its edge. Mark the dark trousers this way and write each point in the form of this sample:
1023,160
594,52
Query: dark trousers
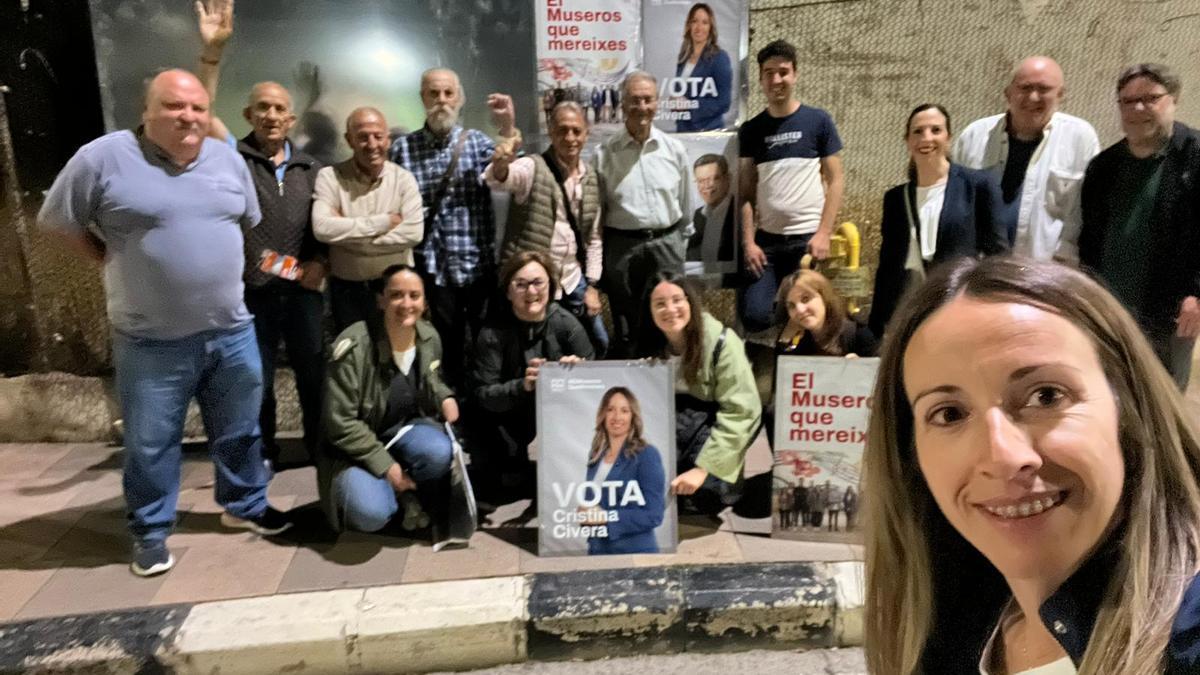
294,316
756,302
351,302
631,260
458,312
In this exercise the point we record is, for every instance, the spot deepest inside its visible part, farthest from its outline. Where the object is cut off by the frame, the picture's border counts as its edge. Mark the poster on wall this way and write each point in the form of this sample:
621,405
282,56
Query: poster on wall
606,456
712,250
584,50
821,409
694,49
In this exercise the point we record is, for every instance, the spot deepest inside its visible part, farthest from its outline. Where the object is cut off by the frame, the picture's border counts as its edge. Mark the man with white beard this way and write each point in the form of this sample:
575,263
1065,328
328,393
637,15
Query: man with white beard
457,256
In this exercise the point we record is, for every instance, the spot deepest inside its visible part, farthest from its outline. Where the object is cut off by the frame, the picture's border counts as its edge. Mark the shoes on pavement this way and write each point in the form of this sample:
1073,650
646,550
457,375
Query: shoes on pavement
415,517
270,522
151,559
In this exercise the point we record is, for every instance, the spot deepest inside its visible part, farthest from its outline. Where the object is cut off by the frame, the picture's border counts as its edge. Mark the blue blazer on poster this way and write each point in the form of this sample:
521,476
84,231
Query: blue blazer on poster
710,112
634,531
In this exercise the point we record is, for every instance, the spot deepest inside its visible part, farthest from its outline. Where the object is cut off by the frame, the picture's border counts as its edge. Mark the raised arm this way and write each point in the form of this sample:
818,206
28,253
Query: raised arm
215,20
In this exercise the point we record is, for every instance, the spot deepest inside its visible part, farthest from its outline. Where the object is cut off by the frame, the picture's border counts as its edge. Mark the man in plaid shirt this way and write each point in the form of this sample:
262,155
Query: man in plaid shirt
457,257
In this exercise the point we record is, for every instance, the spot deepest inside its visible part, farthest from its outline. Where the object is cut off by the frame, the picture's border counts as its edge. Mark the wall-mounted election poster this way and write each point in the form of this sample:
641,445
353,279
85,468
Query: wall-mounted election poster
712,250
584,50
821,409
605,459
695,49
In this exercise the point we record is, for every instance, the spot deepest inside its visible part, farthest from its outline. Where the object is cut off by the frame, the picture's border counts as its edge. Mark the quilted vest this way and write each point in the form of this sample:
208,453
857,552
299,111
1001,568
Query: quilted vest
531,225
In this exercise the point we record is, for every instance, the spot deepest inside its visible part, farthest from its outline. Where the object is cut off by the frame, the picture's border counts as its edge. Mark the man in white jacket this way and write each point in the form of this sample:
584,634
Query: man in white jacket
1038,155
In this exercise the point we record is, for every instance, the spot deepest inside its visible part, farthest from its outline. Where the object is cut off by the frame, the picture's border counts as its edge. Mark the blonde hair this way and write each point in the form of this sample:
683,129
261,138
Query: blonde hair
1155,537
634,443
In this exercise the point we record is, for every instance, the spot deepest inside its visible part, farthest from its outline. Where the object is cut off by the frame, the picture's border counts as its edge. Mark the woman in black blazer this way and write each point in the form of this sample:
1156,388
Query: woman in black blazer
944,211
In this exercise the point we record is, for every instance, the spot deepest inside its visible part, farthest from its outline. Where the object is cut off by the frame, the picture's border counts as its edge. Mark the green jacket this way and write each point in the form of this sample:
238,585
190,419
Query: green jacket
357,380
734,389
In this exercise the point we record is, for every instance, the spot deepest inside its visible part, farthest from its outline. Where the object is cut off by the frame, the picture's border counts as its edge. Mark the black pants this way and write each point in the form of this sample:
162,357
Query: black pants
351,302
457,312
292,315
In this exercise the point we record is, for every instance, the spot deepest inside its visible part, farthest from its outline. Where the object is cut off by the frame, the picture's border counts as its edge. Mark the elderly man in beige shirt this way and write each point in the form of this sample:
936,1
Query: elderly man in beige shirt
369,212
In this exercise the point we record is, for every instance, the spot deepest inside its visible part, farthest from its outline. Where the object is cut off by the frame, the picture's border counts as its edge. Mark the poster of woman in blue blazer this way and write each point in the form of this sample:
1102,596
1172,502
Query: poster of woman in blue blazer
698,77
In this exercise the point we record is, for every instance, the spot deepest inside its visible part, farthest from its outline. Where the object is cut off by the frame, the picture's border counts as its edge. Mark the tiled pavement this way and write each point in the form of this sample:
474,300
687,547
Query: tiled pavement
64,548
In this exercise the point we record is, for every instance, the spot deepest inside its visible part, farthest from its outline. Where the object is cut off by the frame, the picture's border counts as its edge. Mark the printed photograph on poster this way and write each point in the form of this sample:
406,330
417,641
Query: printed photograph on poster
822,405
584,50
605,459
693,48
712,250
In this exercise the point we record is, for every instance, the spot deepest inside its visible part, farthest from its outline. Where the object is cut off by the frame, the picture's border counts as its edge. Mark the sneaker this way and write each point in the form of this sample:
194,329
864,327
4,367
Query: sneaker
268,523
151,559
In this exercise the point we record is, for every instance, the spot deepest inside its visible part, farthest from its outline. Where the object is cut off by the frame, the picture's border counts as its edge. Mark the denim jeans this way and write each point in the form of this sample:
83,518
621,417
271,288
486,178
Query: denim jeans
368,502
294,315
157,379
757,299
594,325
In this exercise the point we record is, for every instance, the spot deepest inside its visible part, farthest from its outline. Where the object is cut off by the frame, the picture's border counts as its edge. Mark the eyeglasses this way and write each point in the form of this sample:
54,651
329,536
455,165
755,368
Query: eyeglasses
1146,101
522,285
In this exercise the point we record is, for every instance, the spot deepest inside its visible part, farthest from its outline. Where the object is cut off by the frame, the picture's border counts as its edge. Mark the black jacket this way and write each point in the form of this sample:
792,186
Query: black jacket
286,225
1175,253
970,225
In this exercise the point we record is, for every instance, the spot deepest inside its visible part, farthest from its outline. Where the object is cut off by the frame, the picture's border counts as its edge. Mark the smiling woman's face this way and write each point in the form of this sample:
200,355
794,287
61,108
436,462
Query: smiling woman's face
1015,428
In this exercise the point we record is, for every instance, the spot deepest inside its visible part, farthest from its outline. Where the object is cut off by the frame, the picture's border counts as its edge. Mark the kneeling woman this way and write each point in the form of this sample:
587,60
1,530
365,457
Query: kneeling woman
620,453
384,396
1031,478
716,399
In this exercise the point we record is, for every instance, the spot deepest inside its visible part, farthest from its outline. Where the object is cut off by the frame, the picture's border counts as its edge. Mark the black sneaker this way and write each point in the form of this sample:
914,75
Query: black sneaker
151,559
268,523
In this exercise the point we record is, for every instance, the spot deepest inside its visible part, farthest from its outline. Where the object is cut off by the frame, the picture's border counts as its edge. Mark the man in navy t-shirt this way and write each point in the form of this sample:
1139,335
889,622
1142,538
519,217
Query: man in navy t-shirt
791,184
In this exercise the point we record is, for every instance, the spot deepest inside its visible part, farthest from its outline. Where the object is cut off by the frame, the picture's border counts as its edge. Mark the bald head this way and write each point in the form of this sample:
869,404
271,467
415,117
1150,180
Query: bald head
269,112
175,116
364,115
269,88
367,136
1033,93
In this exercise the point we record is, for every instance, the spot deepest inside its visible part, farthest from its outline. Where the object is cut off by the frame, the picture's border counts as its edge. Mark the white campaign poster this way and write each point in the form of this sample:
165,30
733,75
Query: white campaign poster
587,504
584,49
822,405
712,249
696,54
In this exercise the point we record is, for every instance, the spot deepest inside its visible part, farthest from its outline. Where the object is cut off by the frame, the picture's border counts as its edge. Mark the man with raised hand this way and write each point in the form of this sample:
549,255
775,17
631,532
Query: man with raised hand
1038,155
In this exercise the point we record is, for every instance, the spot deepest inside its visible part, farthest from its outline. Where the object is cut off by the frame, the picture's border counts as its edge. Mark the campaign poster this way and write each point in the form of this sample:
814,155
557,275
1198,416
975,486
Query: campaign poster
606,458
584,50
822,404
695,50
713,240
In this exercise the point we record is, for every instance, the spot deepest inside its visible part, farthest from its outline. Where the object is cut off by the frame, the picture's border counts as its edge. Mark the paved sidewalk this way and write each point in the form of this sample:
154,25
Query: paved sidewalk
64,548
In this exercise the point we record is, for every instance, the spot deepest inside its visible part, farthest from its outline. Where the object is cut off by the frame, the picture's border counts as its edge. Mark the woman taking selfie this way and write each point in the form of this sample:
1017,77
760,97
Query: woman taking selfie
1030,484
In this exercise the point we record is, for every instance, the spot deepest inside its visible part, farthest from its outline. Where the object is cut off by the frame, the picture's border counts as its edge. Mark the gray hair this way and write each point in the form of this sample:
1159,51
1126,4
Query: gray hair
634,77
567,105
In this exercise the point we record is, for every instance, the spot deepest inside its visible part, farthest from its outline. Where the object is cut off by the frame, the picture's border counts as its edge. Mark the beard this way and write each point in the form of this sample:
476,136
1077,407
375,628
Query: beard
441,118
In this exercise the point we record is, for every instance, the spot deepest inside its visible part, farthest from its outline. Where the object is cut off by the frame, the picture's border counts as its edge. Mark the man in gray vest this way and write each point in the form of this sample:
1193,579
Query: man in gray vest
556,209
170,205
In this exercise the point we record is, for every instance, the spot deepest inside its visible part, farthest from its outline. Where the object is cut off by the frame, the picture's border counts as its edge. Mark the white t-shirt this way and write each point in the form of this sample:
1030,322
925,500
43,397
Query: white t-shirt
1063,666
404,360
602,470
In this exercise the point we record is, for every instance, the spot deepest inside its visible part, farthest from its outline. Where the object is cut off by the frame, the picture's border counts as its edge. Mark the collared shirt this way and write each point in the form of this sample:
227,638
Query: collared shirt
1049,218
519,182
174,258
460,239
645,186
1062,666
280,168
352,212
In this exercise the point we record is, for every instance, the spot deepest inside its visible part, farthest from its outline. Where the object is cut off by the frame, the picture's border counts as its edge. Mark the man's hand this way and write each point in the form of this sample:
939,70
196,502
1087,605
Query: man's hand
688,482
570,360
216,25
818,246
591,300
756,258
504,115
395,220
312,275
503,156
398,480
450,410
531,373
1188,321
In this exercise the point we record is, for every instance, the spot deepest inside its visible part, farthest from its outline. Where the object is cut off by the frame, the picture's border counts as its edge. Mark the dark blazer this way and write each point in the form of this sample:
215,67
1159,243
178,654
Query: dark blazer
700,222
1174,261
970,225
708,115
633,532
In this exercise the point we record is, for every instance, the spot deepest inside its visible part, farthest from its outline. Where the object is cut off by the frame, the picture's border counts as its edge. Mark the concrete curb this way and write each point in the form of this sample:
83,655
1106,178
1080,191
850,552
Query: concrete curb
457,625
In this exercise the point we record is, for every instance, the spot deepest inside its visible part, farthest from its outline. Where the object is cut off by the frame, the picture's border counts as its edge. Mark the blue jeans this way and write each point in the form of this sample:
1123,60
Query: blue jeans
368,502
757,299
157,379
594,325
